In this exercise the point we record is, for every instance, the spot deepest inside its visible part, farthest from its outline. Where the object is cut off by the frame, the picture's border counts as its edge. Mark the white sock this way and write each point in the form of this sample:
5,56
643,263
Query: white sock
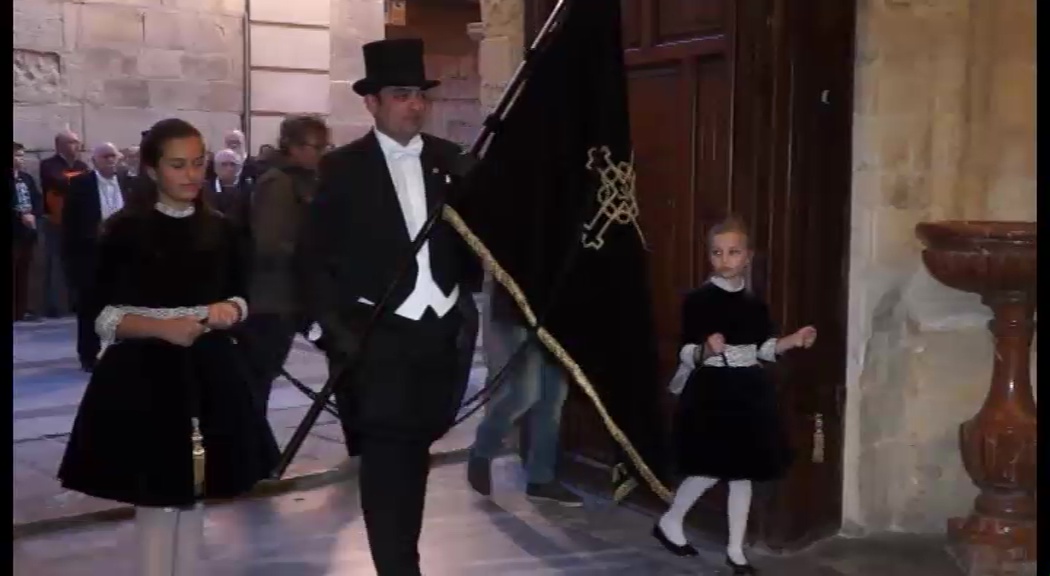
155,528
691,489
190,536
738,508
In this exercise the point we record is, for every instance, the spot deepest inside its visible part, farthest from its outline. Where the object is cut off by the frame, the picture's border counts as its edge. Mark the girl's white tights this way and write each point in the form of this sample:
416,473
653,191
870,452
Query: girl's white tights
739,506
170,540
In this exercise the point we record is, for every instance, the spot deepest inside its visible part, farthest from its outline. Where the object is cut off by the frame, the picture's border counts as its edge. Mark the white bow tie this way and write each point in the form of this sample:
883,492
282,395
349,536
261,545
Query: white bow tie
414,148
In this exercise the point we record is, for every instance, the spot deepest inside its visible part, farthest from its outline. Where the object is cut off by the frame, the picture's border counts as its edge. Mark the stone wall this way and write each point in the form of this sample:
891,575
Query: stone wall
108,69
451,57
944,128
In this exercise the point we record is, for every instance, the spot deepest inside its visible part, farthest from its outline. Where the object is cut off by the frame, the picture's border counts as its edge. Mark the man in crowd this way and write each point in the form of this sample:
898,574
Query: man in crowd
93,197
55,175
26,209
279,204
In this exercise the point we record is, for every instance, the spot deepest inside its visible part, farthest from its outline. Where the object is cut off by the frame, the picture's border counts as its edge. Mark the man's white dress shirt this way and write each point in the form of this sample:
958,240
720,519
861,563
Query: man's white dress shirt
109,197
407,174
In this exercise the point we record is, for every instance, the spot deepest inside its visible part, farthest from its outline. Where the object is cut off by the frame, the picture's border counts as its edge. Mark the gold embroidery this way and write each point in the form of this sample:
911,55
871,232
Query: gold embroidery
616,199
500,275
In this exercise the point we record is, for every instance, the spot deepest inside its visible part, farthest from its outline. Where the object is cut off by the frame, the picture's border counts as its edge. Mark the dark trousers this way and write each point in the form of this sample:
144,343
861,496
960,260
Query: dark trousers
268,339
404,398
88,343
21,257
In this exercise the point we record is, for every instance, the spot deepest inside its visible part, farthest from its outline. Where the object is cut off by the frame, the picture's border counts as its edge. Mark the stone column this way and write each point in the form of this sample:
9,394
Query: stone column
500,48
354,24
289,64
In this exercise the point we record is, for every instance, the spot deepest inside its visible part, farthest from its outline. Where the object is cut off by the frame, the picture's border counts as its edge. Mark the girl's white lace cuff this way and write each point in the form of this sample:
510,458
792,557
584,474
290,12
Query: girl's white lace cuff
242,306
767,352
110,317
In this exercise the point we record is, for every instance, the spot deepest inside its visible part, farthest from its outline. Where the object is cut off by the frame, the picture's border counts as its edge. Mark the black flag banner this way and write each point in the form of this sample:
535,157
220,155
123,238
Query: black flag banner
551,211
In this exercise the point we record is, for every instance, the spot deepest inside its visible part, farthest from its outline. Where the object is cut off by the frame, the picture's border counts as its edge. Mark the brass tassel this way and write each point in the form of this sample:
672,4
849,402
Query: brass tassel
818,439
198,458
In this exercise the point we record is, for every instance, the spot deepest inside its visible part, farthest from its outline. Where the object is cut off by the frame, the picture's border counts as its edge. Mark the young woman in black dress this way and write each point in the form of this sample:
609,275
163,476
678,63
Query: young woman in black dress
168,419
727,426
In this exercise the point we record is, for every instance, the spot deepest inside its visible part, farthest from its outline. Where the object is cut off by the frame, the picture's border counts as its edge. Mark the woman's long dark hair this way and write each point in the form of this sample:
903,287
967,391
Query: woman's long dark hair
144,193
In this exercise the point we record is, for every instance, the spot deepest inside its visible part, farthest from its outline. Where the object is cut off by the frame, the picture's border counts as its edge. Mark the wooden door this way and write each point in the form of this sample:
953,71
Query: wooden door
729,114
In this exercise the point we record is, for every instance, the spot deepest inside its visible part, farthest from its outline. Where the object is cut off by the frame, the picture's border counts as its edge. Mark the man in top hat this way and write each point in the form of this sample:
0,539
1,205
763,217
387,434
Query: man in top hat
373,197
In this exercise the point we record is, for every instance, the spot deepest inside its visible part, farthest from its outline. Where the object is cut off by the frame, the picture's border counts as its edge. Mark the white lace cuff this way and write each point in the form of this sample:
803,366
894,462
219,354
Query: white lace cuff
242,306
111,316
767,352
687,355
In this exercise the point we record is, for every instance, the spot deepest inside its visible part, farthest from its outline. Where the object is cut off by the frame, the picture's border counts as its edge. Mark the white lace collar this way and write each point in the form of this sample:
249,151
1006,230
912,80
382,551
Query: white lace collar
174,212
727,285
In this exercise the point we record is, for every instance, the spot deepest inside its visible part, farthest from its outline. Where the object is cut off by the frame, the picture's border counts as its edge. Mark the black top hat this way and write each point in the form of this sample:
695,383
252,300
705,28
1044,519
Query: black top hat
396,62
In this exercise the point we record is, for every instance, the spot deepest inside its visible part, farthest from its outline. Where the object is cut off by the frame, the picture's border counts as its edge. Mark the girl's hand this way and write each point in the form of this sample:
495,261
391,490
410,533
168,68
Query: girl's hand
805,337
222,315
182,331
716,344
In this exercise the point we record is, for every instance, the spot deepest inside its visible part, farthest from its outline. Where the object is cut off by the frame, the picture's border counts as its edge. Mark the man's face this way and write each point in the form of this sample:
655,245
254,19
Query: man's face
106,160
226,168
399,111
20,159
68,145
233,142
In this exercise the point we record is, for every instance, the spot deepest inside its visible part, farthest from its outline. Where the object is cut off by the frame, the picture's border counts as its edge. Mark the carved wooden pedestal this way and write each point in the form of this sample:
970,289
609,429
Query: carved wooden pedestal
998,445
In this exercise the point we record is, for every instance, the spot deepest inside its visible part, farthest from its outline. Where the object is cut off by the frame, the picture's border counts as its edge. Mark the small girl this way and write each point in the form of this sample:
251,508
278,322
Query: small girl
726,426
168,418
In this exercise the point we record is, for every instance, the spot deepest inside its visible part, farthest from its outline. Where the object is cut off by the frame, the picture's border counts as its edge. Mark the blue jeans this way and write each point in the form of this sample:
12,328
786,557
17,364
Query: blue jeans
534,384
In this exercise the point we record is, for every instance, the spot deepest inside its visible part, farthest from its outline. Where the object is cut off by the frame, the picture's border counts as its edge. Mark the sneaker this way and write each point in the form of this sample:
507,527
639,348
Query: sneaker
554,492
479,475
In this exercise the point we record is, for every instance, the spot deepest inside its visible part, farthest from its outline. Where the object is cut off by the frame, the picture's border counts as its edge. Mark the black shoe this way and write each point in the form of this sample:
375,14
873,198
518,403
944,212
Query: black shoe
740,569
479,475
554,492
682,550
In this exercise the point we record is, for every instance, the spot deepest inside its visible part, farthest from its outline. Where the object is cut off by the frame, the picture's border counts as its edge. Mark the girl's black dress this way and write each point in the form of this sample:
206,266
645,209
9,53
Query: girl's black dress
727,423
131,440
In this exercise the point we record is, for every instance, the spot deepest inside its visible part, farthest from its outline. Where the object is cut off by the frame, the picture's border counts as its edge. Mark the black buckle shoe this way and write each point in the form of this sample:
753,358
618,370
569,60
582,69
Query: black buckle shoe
678,550
740,569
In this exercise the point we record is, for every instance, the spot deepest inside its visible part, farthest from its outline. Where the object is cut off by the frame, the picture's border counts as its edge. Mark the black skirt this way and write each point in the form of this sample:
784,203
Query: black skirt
131,440
727,426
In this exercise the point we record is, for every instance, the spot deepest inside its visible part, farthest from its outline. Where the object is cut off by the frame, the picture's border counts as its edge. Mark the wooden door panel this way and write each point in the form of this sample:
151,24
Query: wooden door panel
678,19
660,132
712,108
631,16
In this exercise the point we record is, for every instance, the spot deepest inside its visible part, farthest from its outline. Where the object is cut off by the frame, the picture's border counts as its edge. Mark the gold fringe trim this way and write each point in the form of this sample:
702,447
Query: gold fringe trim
500,275
197,440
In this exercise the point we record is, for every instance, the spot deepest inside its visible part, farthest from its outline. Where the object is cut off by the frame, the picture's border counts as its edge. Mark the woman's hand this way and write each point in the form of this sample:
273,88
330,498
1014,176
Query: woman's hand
182,331
222,315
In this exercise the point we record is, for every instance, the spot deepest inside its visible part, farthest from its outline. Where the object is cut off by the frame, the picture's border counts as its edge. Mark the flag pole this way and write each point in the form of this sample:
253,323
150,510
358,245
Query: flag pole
477,149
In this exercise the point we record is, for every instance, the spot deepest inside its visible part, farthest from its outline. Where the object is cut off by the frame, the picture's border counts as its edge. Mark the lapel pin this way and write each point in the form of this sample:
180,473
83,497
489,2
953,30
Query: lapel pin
434,170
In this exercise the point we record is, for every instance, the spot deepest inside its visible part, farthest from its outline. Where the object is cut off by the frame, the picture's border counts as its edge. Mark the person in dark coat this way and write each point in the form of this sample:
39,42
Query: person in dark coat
727,425
373,197
55,175
26,208
93,197
168,418
280,201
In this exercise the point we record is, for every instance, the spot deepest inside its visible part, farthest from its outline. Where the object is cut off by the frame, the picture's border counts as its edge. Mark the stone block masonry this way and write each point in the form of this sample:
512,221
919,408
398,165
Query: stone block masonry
107,69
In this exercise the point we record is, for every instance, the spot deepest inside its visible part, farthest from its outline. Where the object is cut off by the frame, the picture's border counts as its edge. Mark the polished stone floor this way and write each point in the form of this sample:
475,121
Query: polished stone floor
320,533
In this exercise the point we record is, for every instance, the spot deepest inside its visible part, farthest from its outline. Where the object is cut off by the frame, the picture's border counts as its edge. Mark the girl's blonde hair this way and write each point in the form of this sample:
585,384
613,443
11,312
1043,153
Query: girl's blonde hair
729,224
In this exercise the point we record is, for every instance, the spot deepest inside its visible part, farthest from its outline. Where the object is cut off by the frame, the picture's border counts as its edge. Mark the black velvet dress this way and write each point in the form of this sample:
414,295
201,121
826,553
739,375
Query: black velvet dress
131,440
727,424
